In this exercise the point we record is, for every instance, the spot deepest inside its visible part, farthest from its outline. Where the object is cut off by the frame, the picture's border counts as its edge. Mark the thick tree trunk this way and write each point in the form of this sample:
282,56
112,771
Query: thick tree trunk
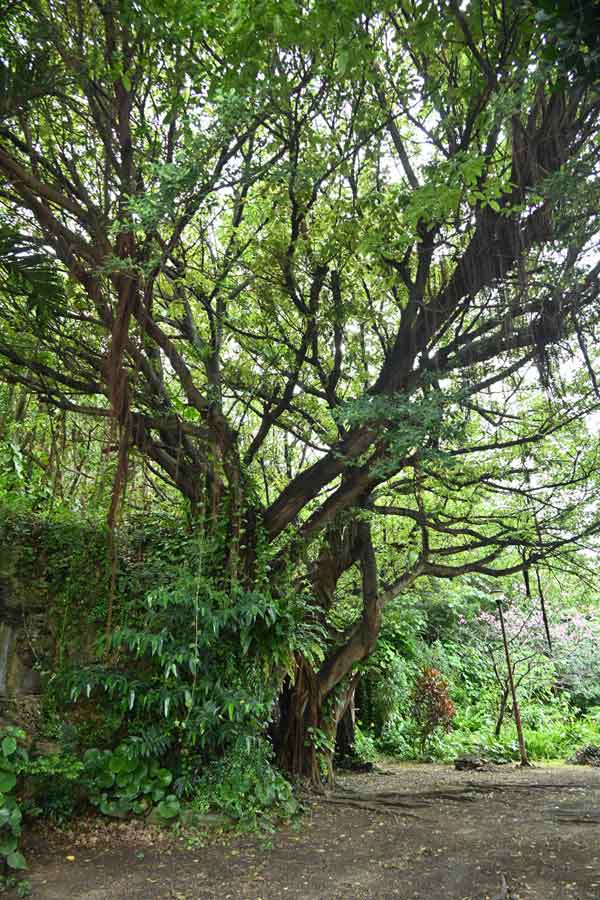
312,707
305,737
300,739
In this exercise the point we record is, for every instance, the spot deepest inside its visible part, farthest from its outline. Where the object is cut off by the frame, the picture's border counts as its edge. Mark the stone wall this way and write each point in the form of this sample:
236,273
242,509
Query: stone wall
26,639
54,593
53,588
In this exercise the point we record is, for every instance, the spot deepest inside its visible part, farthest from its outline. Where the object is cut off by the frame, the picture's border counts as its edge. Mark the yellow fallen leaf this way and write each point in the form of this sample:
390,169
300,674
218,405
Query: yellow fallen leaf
71,858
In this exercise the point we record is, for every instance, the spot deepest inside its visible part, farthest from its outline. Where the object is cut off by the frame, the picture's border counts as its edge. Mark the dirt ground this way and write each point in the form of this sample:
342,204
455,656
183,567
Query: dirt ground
404,832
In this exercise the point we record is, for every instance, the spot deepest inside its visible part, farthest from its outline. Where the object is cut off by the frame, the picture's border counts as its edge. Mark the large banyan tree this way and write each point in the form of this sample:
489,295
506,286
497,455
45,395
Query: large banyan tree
318,263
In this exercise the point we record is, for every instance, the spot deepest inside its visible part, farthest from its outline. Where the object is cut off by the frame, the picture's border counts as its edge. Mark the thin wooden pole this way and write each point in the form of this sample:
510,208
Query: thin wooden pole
513,690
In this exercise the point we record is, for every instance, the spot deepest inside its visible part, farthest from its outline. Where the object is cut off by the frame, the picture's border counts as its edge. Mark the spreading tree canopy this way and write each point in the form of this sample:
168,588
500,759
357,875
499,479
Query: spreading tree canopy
319,263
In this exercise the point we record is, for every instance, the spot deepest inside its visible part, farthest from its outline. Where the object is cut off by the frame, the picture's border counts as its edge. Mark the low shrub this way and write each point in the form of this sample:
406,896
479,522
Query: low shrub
431,706
398,737
246,786
121,783
365,746
53,787
12,757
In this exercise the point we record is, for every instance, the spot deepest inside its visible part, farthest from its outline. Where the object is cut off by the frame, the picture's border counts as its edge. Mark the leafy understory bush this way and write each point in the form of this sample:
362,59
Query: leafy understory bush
397,737
54,786
121,784
189,685
556,736
552,731
198,659
246,786
432,708
364,746
12,756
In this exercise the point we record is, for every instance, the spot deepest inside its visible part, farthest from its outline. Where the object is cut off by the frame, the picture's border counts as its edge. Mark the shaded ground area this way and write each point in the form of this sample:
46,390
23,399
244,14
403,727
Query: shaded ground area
404,832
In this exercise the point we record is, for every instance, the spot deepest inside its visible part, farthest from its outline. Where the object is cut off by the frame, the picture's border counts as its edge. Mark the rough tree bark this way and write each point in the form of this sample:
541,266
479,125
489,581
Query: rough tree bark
313,706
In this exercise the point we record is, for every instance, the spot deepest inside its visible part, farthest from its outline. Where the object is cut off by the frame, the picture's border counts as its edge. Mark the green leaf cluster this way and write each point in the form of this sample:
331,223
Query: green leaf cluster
12,755
245,785
121,783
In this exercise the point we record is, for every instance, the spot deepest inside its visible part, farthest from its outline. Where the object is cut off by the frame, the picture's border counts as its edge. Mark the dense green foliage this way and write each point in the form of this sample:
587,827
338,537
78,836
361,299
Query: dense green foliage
164,716
559,692
572,29
298,329
194,647
245,785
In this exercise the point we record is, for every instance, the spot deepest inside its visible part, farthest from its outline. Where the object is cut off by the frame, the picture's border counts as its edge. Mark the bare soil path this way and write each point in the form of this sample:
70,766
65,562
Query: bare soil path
409,832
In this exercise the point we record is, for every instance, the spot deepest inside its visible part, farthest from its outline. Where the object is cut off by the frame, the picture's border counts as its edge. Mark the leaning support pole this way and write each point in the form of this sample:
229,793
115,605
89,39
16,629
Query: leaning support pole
513,690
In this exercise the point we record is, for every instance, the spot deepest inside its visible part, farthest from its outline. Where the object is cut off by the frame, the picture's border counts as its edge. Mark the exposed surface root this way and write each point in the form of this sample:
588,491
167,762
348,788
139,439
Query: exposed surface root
392,809
401,802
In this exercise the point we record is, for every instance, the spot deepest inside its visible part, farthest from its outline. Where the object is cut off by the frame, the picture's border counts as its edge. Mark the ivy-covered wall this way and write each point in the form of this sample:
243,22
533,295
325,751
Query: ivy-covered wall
53,595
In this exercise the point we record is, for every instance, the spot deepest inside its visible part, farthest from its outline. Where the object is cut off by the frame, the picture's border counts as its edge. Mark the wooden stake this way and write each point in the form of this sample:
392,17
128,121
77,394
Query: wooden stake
513,690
